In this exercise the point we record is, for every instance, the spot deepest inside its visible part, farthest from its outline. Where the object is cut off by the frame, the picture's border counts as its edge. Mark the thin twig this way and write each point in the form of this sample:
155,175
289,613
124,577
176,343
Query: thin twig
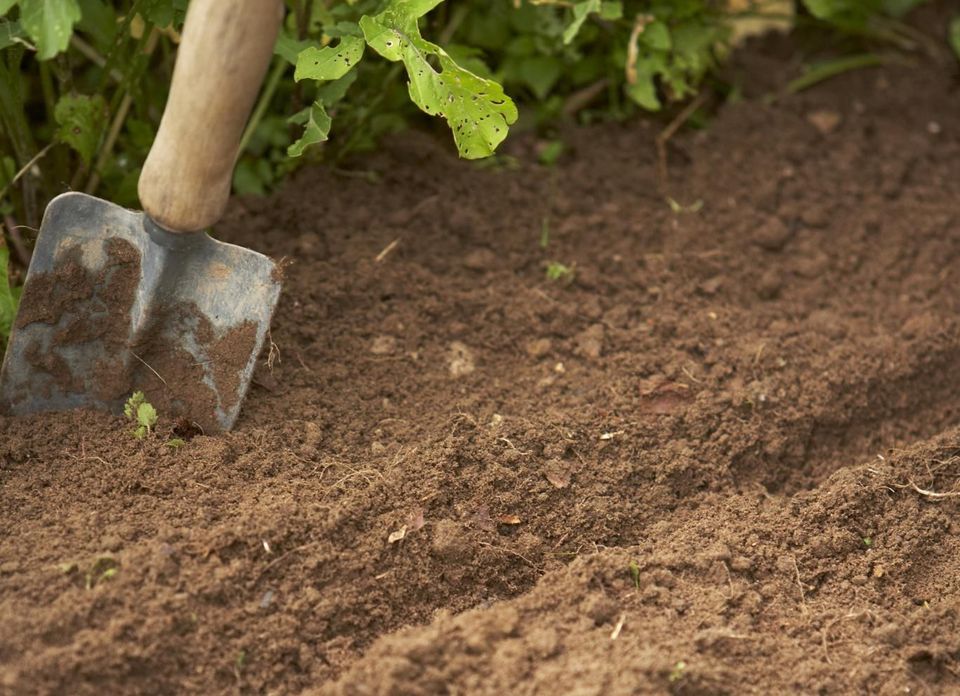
118,120
583,97
91,54
669,132
149,368
803,596
25,168
511,552
17,241
386,250
931,494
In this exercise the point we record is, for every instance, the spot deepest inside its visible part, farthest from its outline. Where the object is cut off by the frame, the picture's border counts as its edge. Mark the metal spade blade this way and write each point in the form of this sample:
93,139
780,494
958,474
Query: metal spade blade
114,303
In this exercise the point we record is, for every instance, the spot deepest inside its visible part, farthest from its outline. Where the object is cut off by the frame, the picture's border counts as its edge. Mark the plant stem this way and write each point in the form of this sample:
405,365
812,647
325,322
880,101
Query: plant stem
279,67
825,71
14,120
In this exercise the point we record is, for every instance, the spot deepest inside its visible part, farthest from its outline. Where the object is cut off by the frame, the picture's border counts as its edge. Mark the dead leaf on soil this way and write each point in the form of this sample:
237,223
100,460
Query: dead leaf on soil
557,473
482,519
661,397
415,520
508,519
460,359
397,535
824,120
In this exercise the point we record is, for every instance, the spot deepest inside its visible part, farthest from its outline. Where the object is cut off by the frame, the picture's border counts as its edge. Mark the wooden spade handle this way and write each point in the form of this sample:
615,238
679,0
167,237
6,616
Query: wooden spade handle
223,56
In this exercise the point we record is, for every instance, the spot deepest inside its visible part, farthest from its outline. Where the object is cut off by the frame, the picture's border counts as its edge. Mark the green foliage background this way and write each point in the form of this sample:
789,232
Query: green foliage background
83,82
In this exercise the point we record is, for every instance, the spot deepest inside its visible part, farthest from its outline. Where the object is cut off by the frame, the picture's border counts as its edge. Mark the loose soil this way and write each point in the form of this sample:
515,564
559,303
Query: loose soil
723,458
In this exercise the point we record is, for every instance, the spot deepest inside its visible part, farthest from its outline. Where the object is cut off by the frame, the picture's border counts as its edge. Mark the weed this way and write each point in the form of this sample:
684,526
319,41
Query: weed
551,152
868,542
545,232
557,271
634,569
679,208
142,412
676,674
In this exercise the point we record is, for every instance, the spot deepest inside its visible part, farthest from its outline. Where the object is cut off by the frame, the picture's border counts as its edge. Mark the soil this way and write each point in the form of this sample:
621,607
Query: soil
57,336
722,458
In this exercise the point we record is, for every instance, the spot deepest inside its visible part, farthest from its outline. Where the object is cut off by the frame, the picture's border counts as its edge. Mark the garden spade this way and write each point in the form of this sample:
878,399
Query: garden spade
117,301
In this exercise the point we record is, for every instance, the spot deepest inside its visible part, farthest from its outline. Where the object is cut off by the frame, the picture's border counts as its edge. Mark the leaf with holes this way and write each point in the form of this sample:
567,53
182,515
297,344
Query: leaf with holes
316,128
477,110
49,23
329,63
82,119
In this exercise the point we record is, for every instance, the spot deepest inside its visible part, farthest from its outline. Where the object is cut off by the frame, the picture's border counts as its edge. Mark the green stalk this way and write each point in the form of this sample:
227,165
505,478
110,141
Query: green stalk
263,103
14,120
825,71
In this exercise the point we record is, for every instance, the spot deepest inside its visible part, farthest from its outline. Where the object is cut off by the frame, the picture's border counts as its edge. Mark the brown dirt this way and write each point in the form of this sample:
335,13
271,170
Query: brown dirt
704,466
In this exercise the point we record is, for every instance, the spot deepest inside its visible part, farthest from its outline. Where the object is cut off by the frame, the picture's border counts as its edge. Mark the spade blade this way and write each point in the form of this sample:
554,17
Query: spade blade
113,304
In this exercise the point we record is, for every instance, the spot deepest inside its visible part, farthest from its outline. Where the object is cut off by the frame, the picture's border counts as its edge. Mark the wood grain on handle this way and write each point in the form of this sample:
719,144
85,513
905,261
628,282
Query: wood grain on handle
223,56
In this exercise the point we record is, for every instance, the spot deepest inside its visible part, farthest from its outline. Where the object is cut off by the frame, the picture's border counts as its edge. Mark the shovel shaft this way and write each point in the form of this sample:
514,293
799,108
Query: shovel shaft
221,62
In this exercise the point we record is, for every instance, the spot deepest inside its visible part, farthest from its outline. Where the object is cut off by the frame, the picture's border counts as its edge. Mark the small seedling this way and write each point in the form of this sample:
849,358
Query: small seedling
545,233
557,271
551,152
175,443
868,542
676,674
141,411
635,573
679,208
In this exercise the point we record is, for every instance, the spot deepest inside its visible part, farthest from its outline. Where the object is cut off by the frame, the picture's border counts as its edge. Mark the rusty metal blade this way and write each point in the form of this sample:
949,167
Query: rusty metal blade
114,303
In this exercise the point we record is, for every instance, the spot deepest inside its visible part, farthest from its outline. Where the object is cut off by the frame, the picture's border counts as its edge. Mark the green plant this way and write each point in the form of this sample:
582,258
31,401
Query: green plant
557,271
9,297
676,674
953,36
83,82
634,569
139,410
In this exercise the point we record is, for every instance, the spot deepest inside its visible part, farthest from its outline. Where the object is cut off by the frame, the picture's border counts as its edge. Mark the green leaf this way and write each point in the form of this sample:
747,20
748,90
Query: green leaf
384,40
289,48
540,73
10,33
99,20
146,415
612,10
163,13
49,23
133,403
476,109
316,128
332,92
5,6
656,35
580,12
644,90
329,63
82,119
955,36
